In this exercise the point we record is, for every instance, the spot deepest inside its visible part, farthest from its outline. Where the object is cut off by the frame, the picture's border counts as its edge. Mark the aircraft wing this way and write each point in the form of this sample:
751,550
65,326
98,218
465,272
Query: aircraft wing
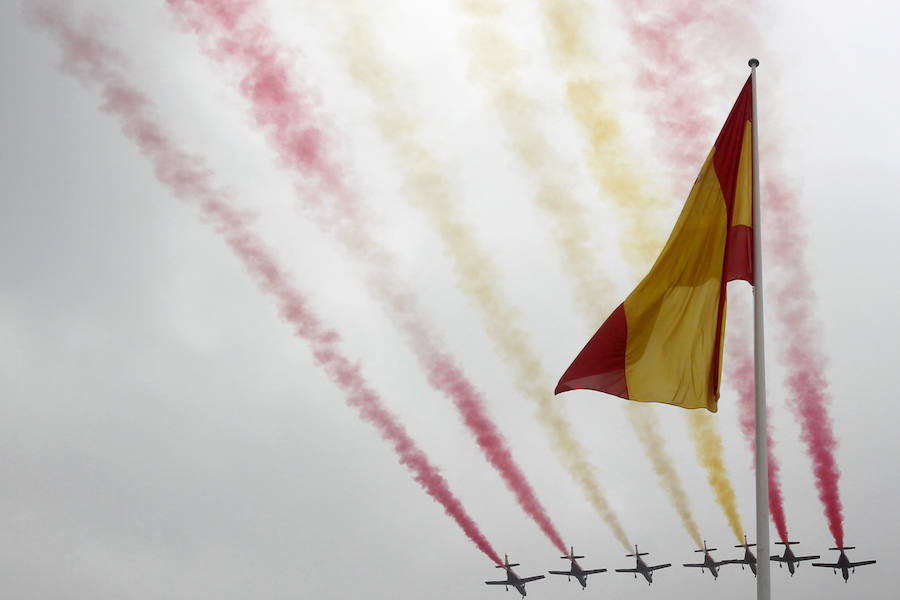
799,558
527,579
569,573
594,571
777,558
829,565
719,563
861,563
504,582
626,570
655,567
703,565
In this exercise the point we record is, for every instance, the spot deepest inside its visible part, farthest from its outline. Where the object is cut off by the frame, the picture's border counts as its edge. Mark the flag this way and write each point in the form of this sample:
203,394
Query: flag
664,343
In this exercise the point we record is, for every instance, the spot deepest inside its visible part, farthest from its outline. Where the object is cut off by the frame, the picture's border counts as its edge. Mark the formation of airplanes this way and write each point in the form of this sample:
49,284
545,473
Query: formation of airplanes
844,564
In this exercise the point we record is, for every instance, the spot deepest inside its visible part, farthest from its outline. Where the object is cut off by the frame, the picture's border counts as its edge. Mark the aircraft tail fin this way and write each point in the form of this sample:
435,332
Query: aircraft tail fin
636,553
506,564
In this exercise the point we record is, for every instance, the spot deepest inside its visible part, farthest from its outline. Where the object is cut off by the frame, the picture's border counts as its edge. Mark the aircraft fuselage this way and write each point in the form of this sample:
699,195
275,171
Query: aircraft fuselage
515,581
709,563
789,559
844,565
644,570
750,560
578,573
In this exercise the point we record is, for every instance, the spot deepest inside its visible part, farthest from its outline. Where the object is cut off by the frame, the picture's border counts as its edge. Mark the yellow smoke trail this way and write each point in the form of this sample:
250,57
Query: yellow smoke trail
432,192
616,174
646,425
495,67
592,102
708,444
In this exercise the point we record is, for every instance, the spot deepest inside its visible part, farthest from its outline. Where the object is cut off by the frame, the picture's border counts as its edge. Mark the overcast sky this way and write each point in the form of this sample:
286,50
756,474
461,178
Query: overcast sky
164,435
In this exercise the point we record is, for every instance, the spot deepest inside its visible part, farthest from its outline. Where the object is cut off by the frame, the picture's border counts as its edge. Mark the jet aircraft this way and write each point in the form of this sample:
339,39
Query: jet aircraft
575,569
512,579
749,559
708,561
789,558
843,563
641,567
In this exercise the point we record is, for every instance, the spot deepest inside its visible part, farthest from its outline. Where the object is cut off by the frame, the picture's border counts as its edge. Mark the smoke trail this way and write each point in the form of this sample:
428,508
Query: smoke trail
477,273
793,297
92,63
708,444
667,35
595,107
236,34
496,68
806,379
742,378
646,425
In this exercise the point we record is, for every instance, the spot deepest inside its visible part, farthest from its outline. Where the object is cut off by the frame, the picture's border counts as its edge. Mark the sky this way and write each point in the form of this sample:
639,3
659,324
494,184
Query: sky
165,433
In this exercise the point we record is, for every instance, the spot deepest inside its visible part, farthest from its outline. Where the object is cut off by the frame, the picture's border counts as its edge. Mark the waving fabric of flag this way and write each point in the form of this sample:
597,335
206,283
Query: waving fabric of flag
664,343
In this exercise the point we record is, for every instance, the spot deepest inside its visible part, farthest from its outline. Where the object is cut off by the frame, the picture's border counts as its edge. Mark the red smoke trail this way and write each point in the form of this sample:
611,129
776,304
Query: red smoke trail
90,61
806,378
680,124
236,34
679,91
742,377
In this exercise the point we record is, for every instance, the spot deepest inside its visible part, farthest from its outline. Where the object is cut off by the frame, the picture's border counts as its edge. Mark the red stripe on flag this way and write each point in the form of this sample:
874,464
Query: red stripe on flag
739,254
728,145
601,364
738,245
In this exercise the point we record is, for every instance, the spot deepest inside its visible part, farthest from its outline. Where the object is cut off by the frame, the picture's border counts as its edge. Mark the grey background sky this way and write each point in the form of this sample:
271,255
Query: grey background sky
163,435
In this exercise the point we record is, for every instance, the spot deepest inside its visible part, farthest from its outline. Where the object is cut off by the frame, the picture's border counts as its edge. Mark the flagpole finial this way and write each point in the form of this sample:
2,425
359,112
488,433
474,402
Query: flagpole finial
753,63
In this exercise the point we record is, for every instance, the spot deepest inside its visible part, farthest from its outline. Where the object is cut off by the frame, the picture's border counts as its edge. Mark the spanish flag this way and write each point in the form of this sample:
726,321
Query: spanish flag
664,343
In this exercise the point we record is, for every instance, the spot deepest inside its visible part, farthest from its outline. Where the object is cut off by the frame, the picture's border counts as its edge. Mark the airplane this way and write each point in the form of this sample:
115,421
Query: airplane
708,561
843,563
641,567
749,559
789,557
512,579
575,569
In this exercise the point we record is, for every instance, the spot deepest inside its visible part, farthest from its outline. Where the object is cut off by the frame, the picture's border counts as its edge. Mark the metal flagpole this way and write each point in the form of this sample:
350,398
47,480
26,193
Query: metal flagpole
763,584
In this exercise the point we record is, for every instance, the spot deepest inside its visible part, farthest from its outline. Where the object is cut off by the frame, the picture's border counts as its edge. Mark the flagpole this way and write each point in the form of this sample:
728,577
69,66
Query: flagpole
763,583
